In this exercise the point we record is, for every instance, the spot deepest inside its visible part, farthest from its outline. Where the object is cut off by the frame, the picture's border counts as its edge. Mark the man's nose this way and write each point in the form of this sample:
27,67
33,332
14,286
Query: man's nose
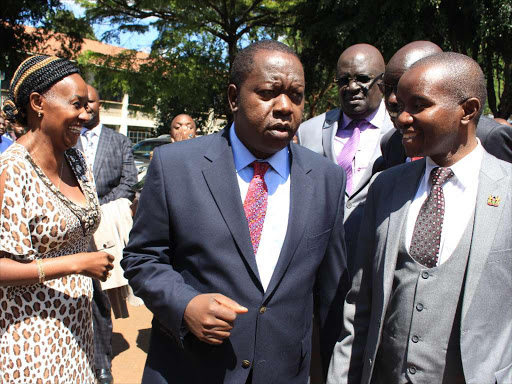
353,85
404,119
283,104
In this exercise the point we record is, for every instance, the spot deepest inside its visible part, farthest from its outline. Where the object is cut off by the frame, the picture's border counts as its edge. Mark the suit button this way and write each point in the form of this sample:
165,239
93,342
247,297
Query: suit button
415,339
425,274
412,369
419,307
246,364
263,310
349,204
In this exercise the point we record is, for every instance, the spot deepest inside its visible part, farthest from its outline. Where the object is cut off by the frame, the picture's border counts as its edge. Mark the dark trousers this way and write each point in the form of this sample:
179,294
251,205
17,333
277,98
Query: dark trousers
102,325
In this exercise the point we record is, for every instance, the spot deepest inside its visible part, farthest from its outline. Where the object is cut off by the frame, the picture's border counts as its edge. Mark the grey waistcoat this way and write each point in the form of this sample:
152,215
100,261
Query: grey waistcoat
421,331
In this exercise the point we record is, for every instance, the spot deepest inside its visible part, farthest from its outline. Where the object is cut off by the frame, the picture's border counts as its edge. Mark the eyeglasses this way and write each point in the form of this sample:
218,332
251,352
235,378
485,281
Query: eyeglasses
388,89
364,81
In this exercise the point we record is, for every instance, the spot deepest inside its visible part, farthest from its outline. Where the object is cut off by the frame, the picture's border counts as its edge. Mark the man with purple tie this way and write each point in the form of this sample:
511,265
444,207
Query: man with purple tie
350,135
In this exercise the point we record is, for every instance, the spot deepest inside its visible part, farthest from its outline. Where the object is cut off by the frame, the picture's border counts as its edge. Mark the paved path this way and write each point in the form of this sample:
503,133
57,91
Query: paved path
130,341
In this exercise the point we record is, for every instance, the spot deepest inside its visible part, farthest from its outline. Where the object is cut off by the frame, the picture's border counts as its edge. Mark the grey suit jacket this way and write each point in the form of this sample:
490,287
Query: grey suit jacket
486,331
317,134
114,169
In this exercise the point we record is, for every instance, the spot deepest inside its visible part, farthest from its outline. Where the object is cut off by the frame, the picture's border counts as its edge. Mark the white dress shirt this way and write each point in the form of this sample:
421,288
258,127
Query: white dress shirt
90,139
459,200
275,225
369,140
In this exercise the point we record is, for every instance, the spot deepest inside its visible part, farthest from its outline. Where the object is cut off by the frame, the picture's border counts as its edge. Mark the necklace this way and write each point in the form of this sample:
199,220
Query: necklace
33,155
61,169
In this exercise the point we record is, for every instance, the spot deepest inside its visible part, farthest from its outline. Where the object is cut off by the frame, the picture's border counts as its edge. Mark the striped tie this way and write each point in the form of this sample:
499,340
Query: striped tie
347,154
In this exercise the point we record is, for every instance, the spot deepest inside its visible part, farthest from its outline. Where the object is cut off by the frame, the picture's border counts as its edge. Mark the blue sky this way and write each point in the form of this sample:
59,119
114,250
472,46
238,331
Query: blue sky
141,42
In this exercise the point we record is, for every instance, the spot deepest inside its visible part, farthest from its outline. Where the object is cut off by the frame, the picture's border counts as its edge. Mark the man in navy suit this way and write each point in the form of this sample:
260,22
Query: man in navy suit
230,307
109,153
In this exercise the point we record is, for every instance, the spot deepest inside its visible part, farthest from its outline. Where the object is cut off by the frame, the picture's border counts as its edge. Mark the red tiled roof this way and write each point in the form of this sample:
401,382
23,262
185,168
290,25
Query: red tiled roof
52,46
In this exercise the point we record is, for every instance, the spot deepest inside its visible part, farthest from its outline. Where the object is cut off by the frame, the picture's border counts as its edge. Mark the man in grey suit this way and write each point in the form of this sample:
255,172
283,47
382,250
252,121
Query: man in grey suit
110,155
495,137
431,301
359,71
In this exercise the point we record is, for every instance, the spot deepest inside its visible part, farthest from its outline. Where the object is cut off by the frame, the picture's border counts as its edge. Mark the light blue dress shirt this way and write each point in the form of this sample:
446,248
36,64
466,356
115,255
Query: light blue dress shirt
275,225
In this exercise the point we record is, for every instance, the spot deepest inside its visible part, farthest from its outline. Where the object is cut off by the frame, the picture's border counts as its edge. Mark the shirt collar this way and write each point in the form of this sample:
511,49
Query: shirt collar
466,170
376,119
279,161
94,131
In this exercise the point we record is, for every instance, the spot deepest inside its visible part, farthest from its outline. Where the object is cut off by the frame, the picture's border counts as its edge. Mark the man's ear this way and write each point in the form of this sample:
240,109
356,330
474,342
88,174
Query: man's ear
471,108
36,103
233,97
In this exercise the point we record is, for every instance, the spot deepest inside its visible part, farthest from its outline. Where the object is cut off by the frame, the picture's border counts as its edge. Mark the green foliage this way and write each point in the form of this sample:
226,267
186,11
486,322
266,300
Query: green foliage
15,41
49,17
198,40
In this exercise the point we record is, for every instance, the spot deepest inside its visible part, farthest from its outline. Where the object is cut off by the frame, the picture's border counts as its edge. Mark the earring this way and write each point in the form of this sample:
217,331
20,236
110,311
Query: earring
39,114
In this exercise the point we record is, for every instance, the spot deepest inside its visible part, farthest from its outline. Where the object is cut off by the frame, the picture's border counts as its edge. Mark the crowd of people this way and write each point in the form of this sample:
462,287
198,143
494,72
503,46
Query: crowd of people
372,250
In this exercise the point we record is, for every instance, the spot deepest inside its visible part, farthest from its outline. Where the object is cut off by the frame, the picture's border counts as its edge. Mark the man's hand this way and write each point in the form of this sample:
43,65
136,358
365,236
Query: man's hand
211,316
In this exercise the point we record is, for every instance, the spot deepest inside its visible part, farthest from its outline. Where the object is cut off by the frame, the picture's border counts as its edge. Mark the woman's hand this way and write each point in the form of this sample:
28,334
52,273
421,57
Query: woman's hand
95,264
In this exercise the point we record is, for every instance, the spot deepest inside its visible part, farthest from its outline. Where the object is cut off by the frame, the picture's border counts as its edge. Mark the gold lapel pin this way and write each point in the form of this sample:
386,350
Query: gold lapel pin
493,201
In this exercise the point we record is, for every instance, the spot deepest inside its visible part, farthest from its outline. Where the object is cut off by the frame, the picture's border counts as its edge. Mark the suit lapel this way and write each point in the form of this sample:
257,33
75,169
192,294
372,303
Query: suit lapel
492,182
223,184
301,192
328,132
403,193
101,151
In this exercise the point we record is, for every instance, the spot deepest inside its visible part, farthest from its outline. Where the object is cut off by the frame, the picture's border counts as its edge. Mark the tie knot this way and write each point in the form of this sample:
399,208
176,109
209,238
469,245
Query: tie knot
440,175
260,168
356,124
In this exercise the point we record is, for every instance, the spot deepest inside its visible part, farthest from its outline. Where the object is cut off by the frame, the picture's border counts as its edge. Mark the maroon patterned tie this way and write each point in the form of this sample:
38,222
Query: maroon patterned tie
255,204
426,237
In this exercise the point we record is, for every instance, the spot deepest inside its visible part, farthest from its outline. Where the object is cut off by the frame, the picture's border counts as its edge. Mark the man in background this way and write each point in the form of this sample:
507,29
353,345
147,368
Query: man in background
109,154
495,137
350,135
183,127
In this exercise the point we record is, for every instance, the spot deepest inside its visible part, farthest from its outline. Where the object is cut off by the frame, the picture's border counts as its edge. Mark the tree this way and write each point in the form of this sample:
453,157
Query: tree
227,20
49,16
197,41
479,29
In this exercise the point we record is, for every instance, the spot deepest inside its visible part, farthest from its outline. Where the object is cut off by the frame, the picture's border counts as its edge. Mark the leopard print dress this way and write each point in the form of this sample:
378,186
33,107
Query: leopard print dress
46,333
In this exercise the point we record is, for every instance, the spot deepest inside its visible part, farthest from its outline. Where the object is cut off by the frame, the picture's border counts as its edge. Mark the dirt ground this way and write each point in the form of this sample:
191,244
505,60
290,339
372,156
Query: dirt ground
130,341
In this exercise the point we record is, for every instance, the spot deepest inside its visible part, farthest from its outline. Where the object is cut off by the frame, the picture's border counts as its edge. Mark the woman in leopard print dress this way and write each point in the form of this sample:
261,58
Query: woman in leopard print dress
48,212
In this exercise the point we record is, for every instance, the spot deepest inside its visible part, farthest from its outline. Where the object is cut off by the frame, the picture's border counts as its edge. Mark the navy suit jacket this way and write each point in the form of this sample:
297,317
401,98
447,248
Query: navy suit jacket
190,236
114,169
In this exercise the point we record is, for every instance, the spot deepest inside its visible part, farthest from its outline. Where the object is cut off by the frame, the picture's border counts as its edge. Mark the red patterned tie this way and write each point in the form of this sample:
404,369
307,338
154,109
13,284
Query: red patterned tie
426,237
255,204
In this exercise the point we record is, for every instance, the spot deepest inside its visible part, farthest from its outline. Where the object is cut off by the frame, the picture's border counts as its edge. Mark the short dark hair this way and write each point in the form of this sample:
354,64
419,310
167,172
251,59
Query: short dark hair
464,79
244,60
35,74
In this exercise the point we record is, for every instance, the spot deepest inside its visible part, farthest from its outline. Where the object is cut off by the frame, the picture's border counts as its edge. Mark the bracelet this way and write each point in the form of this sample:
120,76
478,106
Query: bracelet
40,270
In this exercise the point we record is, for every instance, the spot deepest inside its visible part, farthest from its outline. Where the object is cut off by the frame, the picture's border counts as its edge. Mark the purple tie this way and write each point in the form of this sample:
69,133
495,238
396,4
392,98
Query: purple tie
349,150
